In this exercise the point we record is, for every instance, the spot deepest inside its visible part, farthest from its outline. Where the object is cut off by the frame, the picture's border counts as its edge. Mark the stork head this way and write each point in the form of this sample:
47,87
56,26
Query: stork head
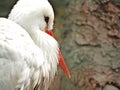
36,15
33,14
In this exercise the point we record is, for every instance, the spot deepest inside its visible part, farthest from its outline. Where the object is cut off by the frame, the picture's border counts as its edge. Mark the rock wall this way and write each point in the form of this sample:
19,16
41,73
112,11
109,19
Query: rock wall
91,45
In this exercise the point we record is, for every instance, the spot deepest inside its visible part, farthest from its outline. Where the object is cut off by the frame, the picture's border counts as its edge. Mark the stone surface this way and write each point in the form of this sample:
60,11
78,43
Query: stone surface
90,44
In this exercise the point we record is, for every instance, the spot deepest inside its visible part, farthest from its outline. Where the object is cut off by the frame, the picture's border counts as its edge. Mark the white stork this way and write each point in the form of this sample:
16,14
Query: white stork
29,54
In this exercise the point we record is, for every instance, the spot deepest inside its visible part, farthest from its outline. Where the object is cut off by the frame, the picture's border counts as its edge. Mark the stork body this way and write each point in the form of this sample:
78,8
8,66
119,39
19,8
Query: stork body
22,63
20,59
28,55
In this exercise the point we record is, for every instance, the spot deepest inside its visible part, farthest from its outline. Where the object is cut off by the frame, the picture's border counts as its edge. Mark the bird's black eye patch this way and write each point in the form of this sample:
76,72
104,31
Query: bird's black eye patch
46,19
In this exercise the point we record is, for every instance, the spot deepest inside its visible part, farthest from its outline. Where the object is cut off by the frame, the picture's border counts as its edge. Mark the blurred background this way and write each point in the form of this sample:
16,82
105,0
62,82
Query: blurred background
88,32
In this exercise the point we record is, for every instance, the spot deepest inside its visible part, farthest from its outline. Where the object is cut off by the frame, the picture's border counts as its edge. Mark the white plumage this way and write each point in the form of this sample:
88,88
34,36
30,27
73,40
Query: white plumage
28,56
20,58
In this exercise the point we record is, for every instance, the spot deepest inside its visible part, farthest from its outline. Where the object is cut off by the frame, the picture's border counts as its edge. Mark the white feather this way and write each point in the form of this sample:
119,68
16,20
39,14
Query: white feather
18,54
27,53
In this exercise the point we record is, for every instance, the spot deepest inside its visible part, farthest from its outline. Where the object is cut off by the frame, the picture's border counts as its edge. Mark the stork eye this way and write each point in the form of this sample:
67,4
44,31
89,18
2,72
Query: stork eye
47,19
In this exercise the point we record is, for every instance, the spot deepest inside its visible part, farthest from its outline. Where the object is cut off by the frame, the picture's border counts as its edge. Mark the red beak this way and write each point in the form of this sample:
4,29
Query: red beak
62,63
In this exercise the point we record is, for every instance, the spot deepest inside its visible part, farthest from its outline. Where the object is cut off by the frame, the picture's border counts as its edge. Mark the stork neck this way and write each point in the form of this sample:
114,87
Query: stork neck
50,49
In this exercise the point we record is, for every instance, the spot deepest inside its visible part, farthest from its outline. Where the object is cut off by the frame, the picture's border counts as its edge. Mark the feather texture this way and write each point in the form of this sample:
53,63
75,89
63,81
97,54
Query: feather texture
28,55
22,63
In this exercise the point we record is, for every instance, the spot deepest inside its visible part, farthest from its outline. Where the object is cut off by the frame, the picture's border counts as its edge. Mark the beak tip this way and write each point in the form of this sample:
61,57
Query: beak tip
69,76
63,65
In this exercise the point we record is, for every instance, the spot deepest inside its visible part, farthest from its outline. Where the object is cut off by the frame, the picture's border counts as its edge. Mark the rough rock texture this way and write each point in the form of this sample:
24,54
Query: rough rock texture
91,45
89,35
